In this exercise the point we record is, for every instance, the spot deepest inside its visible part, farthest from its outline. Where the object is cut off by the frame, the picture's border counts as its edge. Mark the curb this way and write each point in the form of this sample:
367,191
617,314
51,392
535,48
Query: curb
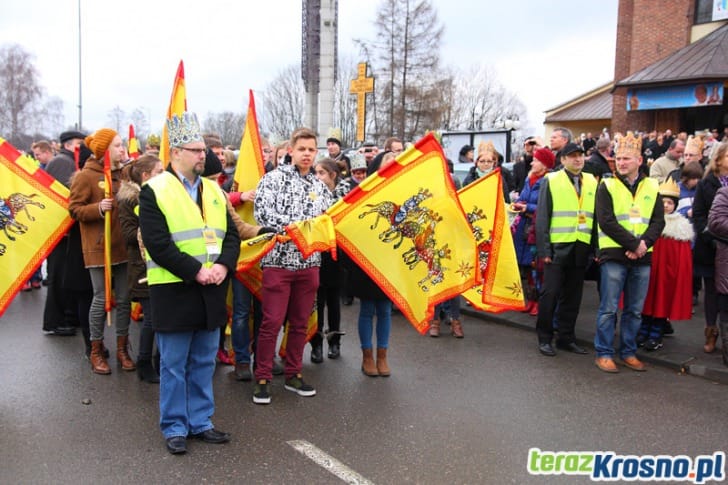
679,362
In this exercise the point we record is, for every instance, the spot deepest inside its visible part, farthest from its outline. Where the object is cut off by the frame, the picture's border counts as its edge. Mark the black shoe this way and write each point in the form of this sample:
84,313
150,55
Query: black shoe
640,340
572,347
653,344
177,445
61,331
261,392
317,354
347,300
242,372
146,371
212,436
667,328
546,349
334,351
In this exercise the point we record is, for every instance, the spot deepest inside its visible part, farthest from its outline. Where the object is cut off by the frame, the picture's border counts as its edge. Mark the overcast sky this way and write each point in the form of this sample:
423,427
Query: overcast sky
546,52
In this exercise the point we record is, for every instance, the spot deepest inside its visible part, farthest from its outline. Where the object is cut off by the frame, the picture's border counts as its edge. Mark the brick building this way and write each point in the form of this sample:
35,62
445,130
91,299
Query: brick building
670,71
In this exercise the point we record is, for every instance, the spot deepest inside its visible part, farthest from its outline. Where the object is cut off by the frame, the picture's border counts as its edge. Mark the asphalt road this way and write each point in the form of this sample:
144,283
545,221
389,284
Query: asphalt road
453,411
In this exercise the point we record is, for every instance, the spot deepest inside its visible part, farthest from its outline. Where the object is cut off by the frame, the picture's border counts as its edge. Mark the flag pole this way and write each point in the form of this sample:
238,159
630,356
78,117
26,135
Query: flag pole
108,296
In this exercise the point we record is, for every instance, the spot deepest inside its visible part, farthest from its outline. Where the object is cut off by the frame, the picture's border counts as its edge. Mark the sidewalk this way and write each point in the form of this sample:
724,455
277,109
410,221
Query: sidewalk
682,351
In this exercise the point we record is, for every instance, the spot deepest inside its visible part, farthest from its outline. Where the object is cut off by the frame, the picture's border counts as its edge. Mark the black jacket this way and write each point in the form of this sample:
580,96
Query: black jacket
185,306
704,250
597,165
610,226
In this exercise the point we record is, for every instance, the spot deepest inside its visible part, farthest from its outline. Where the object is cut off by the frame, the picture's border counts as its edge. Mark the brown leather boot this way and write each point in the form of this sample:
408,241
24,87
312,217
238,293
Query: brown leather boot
435,328
382,366
122,353
711,337
368,367
456,328
98,361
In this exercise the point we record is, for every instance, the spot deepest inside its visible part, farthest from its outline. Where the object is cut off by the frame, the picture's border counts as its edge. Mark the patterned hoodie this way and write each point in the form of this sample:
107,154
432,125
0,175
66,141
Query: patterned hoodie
284,196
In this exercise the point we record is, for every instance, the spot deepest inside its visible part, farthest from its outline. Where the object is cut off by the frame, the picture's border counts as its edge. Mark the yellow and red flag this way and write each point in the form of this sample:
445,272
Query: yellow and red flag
177,106
405,228
248,172
249,168
485,208
33,218
108,293
133,144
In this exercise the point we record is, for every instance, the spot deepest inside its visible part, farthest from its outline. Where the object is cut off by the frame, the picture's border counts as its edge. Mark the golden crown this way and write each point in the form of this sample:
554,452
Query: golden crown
183,129
486,147
694,145
629,145
669,188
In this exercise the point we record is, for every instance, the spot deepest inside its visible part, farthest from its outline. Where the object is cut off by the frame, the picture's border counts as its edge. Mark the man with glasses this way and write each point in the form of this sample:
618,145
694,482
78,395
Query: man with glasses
192,248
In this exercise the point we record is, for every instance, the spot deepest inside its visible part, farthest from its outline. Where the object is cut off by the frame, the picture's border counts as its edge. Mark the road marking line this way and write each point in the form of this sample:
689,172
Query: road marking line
328,462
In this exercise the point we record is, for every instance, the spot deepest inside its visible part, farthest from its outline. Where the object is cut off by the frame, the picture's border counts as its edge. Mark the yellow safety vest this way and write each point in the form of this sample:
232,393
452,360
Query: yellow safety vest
186,223
632,213
572,216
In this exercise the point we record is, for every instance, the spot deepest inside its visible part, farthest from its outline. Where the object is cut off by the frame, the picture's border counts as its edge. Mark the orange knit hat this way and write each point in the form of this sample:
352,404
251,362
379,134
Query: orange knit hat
99,142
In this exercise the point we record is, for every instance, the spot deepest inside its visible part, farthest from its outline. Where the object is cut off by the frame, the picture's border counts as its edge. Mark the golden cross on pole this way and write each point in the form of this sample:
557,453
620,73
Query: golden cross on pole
361,86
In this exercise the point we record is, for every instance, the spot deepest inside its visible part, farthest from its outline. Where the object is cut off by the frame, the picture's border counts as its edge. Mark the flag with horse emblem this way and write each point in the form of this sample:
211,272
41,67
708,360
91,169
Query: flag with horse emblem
405,228
33,218
485,209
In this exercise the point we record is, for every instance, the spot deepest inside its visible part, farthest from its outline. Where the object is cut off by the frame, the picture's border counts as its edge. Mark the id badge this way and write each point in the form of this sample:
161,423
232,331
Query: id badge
210,242
634,215
581,218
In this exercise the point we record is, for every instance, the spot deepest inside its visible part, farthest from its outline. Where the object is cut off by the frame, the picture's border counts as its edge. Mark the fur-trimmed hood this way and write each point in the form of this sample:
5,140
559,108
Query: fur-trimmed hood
129,191
678,227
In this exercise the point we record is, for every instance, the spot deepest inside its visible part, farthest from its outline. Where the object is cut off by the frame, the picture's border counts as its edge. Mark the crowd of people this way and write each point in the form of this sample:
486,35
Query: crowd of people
644,215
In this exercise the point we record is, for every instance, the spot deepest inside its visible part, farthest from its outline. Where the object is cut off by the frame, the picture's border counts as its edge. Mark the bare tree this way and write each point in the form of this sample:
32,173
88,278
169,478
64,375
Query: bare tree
51,119
20,92
228,125
406,57
138,118
283,103
478,100
116,118
345,102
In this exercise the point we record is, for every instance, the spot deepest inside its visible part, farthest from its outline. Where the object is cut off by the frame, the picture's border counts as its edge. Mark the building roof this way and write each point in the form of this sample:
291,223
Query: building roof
595,105
703,60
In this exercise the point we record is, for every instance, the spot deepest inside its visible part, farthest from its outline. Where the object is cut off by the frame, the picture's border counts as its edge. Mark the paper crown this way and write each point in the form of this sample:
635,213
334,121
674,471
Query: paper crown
694,145
629,145
153,140
183,129
486,147
358,162
669,188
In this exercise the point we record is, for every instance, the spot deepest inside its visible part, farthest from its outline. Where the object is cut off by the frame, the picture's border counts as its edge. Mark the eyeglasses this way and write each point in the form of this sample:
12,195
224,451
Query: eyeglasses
197,151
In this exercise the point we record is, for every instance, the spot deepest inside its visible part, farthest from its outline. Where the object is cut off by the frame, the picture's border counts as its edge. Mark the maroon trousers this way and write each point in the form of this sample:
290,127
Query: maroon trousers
286,295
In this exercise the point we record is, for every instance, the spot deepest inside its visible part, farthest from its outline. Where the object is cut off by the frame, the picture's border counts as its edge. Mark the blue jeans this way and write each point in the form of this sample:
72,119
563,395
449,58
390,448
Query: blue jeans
186,402
243,299
614,279
383,309
450,307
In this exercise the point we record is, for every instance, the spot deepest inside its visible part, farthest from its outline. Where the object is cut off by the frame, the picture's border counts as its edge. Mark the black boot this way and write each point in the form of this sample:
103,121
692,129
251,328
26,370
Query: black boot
146,372
334,346
317,354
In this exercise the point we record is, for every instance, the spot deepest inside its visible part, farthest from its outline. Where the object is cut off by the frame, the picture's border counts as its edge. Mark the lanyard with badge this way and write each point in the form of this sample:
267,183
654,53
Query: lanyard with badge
580,216
208,234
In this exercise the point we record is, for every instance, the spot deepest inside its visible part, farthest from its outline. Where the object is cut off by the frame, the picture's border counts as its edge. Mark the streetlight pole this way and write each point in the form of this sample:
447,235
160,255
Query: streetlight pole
80,96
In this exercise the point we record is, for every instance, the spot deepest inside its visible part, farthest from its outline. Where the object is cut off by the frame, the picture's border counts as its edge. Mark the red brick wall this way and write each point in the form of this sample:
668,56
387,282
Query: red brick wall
647,31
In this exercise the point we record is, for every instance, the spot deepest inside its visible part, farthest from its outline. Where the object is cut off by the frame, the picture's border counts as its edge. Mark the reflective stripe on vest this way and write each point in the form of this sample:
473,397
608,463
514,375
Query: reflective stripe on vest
622,202
566,207
186,223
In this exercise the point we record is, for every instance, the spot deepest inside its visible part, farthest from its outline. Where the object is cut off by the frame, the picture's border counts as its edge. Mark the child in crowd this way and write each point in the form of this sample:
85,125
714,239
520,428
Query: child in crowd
670,290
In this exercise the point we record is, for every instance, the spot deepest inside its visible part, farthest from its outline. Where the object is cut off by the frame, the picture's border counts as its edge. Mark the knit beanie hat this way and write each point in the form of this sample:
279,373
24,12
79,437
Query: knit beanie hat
99,142
545,156
212,164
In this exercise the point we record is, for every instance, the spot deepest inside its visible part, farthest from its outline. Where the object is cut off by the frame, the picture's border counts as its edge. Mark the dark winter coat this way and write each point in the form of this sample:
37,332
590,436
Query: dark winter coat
359,284
136,267
718,226
184,306
704,249
524,237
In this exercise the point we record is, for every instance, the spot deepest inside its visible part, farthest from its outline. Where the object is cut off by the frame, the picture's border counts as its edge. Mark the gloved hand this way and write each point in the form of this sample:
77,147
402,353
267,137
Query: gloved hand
266,230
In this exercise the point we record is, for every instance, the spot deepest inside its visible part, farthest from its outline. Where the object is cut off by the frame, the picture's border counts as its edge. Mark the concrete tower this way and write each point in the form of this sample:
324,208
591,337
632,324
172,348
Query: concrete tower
318,61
